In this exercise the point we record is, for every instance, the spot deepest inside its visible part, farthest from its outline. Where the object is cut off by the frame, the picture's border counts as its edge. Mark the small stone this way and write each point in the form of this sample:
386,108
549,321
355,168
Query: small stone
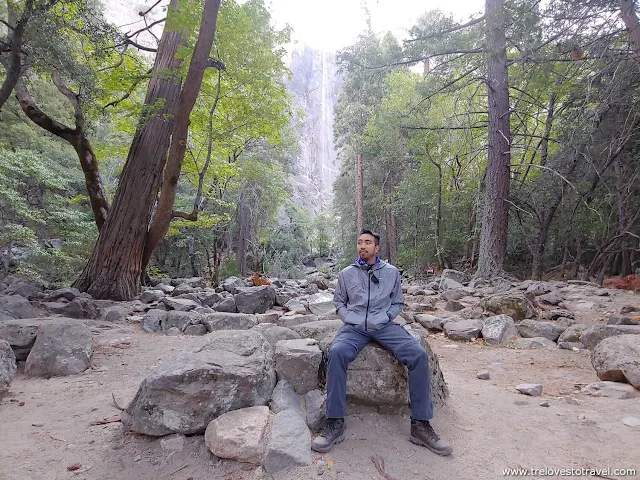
173,331
531,389
545,404
320,466
137,458
631,421
521,402
37,424
483,375
582,416
572,401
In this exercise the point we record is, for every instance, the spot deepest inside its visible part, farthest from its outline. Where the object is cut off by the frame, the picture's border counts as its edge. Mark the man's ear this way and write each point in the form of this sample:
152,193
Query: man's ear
377,249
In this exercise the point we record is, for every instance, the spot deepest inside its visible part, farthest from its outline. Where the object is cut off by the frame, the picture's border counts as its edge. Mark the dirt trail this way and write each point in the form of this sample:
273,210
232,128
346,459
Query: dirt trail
490,425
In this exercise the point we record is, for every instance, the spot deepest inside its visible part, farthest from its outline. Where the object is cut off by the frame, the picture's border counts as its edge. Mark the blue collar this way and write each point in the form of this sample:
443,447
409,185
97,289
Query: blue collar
363,263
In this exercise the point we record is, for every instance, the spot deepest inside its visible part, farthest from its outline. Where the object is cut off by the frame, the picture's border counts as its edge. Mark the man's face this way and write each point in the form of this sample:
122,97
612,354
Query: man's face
367,247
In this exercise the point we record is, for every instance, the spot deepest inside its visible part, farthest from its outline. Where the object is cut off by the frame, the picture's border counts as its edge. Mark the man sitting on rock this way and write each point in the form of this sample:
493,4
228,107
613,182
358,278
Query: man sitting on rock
368,297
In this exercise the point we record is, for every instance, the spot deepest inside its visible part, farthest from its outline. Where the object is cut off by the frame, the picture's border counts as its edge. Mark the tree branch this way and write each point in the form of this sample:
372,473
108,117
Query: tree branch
73,98
450,30
138,46
142,14
138,32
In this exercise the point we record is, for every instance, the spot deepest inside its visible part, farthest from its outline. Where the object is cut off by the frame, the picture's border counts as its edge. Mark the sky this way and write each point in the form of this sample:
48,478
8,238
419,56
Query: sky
330,25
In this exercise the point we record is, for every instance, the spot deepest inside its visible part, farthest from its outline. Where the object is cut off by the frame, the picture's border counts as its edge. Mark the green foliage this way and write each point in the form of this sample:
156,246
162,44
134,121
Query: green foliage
44,235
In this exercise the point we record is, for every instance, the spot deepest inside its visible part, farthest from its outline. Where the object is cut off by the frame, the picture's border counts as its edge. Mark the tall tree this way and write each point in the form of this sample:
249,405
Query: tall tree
116,264
495,218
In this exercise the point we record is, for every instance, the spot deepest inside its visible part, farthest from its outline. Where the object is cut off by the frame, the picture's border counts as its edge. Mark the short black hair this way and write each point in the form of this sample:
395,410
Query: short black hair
372,233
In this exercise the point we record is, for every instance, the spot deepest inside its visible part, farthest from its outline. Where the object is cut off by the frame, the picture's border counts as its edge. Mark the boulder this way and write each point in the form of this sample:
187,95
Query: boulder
315,405
448,284
7,367
68,293
22,287
375,377
62,347
533,329
617,359
284,296
295,305
593,335
319,280
289,444
298,362
20,334
197,329
239,435
321,304
182,289
232,284
227,304
499,330
317,330
268,317
533,343
623,320
233,370
551,298
453,306
463,329
255,299
538,288
180,304
570,338
16,306
514,304
181,320
79,307
621,391
229,321
153,320
556,314
150,296
455,275
284,398
117,314
290,321
429,322
276,333
210,298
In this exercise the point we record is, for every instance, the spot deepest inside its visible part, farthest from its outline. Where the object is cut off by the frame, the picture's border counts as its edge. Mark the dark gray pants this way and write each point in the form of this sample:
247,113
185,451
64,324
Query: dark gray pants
346,346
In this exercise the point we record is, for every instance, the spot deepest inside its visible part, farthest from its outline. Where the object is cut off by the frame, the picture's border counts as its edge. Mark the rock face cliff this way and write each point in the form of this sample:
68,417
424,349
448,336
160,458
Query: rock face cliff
315,84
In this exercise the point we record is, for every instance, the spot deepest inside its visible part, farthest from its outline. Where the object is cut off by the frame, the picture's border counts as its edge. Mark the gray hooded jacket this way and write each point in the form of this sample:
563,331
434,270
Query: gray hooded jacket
363,303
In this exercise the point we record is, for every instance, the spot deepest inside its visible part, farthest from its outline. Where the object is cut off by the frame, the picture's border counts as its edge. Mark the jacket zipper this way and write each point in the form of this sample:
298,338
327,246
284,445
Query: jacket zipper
366,315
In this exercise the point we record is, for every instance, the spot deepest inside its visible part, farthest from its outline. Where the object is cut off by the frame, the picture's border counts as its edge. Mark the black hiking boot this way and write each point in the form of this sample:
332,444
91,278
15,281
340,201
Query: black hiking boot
332,433
422,434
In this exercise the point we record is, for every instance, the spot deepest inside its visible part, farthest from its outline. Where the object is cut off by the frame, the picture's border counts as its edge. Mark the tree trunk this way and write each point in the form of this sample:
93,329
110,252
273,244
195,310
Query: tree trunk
495,219
115,267
438,215
77,138
578,260
393,236
191,245
359,193
241,252
199,62
13,70
630,19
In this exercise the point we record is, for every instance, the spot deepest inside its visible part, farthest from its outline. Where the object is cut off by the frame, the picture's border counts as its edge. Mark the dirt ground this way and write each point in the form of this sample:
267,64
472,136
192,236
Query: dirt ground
45,424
